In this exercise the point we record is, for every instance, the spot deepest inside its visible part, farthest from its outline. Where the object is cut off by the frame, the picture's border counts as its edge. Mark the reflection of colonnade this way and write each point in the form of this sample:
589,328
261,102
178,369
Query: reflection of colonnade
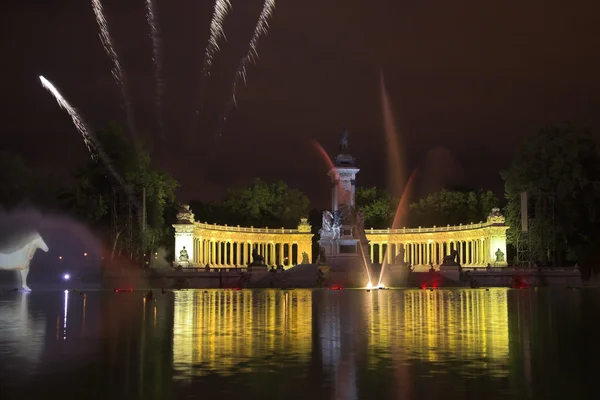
233,246
476,244
219,331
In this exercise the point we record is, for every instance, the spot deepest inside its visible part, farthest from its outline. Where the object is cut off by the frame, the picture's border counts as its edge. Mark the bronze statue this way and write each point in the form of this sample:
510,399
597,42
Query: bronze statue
344,139
257,259
183,255
499,256
450,259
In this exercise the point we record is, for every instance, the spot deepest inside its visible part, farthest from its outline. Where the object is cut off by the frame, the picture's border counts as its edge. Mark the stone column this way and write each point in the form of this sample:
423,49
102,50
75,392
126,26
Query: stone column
272,253
353,186
371,246
334,195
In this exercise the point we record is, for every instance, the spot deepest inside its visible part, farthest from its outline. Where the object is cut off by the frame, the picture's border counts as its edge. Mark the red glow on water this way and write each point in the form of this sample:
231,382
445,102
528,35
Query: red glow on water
337,287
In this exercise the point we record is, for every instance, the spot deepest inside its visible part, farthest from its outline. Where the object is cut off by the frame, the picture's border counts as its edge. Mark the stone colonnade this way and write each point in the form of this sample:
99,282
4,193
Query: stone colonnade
476,244
227,246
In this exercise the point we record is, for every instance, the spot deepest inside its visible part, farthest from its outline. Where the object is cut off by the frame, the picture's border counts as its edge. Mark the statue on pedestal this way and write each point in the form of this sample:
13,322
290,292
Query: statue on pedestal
337,224
257,259
344,140
450,259
322,257
304,258
499,256
185,215
326,224
183,255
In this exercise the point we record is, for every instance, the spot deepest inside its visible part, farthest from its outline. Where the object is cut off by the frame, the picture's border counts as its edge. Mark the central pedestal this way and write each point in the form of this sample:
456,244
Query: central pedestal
347,266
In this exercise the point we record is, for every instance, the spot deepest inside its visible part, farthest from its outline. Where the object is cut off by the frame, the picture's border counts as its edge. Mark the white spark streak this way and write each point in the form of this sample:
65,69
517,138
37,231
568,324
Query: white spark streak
261,29
156,57
77,121
116,70
221,9
92,144
107,40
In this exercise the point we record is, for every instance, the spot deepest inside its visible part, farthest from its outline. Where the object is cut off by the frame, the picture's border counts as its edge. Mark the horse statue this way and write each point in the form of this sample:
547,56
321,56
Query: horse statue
17,256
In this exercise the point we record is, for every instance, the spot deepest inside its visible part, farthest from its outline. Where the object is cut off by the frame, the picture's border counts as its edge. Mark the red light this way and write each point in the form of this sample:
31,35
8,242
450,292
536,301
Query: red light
423,285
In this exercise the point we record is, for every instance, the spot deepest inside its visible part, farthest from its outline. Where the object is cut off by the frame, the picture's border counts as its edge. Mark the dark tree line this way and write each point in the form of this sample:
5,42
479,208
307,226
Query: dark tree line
95,197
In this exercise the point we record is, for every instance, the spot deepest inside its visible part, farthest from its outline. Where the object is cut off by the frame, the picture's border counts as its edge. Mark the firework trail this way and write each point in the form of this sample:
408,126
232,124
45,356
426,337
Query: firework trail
262,28
77,121
92,144
222,7
116,70
152,19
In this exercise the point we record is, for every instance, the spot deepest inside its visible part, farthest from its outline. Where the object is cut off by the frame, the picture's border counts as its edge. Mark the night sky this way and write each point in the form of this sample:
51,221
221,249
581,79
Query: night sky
467,80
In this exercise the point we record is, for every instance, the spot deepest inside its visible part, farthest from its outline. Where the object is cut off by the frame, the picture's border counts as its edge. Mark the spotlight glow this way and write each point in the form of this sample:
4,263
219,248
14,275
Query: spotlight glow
66,277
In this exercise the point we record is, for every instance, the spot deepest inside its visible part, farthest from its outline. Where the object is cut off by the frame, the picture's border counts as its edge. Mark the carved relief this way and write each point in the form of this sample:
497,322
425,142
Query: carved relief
304,226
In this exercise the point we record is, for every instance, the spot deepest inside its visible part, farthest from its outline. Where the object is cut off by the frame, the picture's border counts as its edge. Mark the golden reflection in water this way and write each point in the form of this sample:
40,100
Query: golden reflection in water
441,326
224,331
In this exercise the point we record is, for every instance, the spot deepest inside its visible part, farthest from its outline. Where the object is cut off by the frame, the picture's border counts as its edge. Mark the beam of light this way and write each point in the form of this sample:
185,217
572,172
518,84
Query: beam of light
400,216
222,8
117,71
261,29
153,23
395,168
90,141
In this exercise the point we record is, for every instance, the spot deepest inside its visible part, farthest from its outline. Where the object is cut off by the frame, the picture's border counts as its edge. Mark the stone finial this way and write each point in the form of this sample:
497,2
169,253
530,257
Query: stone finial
185,215
304,226
496,216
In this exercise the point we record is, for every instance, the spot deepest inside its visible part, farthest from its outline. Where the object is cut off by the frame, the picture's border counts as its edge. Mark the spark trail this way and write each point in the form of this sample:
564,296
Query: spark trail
94,147
261,29
222,8
151,17
117,71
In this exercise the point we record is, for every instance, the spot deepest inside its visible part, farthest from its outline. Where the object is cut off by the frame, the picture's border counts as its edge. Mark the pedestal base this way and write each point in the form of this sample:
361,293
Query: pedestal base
451,272
395,275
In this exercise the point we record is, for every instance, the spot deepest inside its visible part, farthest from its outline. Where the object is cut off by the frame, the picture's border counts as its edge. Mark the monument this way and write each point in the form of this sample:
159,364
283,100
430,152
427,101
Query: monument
341,234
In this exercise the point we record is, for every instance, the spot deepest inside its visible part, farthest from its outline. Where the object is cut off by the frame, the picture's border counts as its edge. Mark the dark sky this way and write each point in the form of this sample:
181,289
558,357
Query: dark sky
467,77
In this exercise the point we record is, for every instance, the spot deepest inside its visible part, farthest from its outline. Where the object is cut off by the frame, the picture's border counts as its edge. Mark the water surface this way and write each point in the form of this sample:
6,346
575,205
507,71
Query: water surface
299,344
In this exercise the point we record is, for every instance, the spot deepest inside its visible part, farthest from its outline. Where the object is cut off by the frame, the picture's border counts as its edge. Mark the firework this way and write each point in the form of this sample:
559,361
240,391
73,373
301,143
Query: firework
92,144
156,57
116,70
261,29
77,121
221,9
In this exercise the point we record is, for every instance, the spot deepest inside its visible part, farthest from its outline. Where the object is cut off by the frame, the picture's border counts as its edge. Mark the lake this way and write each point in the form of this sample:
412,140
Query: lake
301,344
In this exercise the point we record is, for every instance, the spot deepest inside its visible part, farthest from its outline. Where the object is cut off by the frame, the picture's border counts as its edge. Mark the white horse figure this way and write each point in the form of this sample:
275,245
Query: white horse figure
18,257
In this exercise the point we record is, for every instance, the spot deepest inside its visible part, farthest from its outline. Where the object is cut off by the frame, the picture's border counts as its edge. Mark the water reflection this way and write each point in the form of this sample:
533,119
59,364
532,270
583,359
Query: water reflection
21,333
300,344
230,331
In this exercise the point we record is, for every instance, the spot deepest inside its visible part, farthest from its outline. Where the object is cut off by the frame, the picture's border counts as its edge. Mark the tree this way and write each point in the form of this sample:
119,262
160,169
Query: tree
260,204
452,207
378,207
114,206
22,183
560,168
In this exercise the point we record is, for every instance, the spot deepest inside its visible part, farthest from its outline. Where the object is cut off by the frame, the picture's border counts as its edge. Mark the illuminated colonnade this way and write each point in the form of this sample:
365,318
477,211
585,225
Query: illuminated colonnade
230,246
476,244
